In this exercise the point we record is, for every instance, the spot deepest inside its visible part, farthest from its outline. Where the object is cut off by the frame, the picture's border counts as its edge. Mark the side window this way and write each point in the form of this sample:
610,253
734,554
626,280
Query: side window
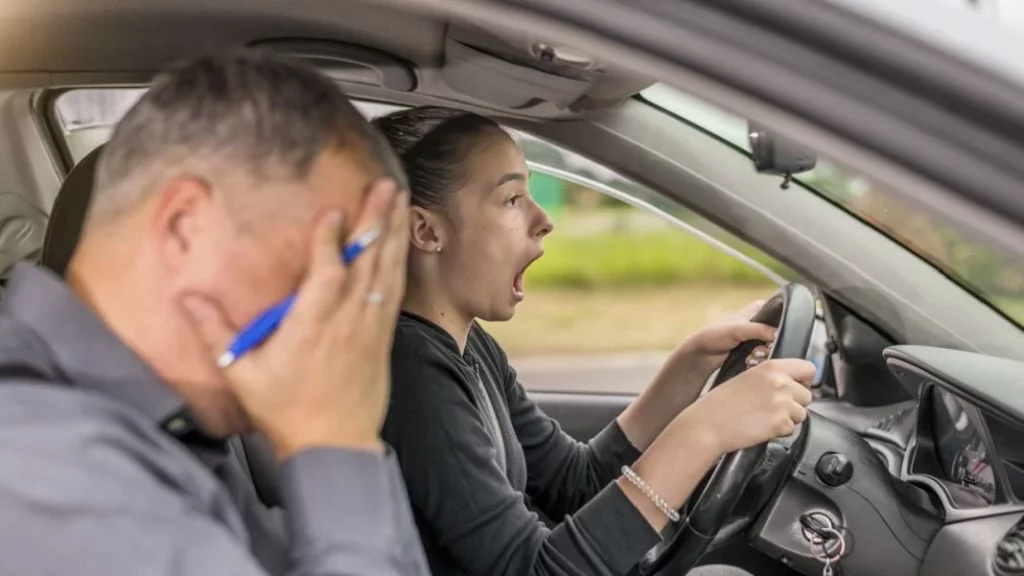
625,277
86,118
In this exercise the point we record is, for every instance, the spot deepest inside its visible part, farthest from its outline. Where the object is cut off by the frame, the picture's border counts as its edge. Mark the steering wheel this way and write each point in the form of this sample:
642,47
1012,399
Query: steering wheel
792,311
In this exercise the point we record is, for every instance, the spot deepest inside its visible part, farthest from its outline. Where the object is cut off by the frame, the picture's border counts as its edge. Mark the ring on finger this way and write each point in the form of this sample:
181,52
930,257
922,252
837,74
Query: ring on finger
375,297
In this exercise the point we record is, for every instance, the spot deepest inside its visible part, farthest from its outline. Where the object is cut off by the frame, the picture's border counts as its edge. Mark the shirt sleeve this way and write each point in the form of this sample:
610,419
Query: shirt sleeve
84,493
466,502
348,513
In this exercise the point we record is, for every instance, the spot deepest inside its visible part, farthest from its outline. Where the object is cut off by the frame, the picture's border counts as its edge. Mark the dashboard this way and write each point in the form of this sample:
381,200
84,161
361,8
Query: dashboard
932,485
974,453
962,449
968,448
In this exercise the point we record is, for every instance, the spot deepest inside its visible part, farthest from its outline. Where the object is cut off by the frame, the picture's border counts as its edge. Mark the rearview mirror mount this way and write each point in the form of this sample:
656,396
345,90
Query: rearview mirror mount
773,154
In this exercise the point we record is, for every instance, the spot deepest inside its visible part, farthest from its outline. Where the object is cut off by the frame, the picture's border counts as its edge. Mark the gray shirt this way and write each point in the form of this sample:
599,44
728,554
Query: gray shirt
102,472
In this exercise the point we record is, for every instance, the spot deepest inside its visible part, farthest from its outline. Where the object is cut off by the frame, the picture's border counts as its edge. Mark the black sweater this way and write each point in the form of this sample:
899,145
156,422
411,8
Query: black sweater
478,467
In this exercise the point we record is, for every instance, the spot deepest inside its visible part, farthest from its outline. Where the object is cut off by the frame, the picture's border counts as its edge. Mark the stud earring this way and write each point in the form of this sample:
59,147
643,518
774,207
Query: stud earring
438,249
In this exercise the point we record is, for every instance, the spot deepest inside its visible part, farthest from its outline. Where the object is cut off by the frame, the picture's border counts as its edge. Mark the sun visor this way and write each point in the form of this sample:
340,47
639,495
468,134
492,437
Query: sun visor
501,82
348,62
517,71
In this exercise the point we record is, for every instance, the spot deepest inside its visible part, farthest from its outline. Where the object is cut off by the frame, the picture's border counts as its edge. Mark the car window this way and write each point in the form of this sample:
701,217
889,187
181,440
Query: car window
982,268
85,118
626,275
621,283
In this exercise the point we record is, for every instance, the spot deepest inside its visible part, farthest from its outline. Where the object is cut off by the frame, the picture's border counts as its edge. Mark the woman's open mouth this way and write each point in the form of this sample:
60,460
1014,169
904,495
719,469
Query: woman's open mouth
517,286
518,290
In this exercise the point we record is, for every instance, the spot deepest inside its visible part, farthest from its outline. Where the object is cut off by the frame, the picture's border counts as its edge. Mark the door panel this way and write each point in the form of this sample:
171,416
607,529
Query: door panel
582,416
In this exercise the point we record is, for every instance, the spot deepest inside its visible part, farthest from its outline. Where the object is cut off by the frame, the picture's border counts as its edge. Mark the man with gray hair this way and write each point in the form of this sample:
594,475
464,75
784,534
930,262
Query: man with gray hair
232,184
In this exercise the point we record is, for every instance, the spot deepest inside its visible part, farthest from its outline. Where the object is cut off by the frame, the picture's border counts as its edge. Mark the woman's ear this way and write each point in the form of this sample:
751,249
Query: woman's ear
425,230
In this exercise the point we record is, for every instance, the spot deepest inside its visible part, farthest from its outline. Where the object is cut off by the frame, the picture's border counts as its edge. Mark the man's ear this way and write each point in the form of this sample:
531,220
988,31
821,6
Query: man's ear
425,230
183,212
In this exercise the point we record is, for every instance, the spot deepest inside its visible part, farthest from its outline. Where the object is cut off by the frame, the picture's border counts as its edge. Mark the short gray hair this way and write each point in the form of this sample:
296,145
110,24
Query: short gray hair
248,109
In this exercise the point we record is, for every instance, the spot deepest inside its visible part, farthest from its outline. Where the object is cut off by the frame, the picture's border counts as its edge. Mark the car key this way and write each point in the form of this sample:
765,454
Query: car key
829,557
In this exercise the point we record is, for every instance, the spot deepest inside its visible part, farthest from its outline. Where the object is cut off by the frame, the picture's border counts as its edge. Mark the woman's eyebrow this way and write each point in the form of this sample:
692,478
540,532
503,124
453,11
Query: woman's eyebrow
510,177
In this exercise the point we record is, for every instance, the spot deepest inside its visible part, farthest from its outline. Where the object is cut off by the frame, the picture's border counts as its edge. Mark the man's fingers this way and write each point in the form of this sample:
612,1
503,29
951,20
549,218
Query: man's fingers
208,321
376,216
319,293
390,273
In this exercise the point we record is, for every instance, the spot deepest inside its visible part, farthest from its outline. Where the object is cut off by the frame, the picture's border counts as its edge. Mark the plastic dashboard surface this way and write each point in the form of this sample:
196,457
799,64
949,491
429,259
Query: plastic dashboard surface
961,448
970,437
969,450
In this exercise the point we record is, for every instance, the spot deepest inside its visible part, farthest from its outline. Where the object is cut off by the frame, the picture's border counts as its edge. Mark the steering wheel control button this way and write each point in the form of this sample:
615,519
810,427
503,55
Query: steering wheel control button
834,469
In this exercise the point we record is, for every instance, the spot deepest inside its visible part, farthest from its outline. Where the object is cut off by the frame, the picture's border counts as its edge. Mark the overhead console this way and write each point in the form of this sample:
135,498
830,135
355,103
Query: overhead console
523,72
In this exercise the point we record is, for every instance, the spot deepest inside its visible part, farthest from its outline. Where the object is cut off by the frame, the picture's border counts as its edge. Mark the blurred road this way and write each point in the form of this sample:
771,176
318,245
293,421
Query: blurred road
617,373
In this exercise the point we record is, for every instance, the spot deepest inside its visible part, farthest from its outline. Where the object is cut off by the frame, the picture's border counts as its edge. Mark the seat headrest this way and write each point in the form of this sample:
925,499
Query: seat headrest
68,214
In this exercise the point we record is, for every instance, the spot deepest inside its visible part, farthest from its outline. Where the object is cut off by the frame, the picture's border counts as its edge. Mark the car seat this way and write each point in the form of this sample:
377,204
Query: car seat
67,216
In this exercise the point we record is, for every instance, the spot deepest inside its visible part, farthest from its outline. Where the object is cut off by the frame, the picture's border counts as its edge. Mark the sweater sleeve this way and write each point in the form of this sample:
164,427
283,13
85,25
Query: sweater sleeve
564,473
464,499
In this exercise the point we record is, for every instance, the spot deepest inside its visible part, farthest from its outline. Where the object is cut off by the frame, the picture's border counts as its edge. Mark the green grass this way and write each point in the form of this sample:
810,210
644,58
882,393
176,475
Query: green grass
636,258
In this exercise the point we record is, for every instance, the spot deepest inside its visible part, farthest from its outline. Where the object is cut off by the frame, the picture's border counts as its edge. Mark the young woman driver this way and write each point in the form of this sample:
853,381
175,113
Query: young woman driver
482,463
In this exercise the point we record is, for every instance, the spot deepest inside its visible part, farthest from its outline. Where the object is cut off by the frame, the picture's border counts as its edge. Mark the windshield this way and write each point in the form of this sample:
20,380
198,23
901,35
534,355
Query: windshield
980,267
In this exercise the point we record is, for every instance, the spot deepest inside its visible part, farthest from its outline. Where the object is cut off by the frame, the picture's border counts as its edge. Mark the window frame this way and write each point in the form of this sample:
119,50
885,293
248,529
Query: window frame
639,204
57,131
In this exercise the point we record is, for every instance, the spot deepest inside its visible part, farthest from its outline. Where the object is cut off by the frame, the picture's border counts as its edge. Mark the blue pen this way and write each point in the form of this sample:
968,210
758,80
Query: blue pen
264,325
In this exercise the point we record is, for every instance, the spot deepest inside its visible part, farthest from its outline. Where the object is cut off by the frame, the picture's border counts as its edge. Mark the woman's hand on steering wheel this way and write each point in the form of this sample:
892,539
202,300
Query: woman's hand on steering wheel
745,409
756,406
687,370
761,404
703,352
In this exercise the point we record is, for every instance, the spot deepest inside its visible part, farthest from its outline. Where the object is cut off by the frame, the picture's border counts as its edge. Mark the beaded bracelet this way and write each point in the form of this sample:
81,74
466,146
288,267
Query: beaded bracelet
637,481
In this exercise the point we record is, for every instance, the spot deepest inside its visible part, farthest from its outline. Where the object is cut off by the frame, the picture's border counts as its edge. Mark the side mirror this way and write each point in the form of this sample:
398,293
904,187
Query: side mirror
775,155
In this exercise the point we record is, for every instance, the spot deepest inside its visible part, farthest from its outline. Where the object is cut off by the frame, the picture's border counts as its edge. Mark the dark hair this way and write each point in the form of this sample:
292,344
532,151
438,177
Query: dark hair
434,145
268,114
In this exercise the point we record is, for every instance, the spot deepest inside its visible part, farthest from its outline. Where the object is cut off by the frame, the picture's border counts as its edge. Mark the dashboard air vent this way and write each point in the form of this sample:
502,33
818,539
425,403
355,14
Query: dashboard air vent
1009,555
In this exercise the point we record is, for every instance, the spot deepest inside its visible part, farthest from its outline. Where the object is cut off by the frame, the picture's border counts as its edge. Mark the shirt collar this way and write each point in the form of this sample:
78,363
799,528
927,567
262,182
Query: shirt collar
443,336
431,327
86,351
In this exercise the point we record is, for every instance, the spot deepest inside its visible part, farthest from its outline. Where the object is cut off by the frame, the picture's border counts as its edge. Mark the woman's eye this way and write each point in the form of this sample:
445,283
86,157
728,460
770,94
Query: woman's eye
513,199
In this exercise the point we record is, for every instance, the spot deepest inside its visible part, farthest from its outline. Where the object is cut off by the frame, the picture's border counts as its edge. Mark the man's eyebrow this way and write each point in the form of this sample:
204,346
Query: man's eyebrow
510,177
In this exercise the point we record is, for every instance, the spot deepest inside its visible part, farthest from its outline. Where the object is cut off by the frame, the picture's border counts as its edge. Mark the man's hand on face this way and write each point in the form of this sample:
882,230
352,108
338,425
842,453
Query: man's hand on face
323,378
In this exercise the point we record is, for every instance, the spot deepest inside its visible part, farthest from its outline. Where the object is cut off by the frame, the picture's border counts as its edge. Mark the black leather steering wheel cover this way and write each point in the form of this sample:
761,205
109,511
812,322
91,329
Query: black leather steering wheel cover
793,311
